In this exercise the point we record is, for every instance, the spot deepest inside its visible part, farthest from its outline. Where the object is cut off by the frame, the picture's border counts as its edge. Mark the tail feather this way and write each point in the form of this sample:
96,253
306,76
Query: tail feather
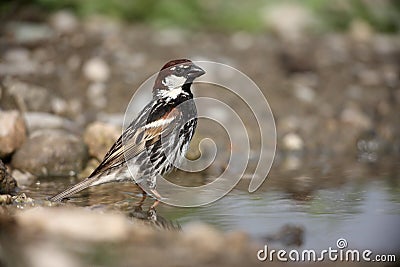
73,189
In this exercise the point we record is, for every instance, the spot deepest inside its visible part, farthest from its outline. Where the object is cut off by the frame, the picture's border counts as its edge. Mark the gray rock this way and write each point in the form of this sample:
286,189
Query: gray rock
12,132
51,153
7,182
18,61
354,116
29,33
96,95
21,95
23,178
99,137
41,120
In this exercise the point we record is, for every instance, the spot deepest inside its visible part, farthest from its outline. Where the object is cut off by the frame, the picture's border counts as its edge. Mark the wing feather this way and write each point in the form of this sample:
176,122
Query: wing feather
129,147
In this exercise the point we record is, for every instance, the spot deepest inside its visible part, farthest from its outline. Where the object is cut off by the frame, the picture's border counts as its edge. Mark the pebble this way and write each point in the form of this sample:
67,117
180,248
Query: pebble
304,93
242,40
64,22
361,31
12,132
99,137
7,182
51,153
297,20
96,95
292,141
28,32
354,116
96,70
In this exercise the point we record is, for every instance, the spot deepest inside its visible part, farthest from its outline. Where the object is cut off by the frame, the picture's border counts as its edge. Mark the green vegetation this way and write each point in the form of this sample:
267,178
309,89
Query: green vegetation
228,15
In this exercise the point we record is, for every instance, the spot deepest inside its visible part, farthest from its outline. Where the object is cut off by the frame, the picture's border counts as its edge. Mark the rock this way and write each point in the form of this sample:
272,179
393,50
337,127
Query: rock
64,22
12,132
96,70
18,61
205,238
75,224
41,120
23,178
25,96
354,116
288,235
297,20
22,199
51,153
169,37
96,95
361,31
5,199
304,93
7,182
292,141
242,40
116,119
99,137
29,33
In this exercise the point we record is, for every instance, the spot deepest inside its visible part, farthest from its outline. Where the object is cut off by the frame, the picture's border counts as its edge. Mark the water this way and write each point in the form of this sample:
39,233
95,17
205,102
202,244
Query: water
365,212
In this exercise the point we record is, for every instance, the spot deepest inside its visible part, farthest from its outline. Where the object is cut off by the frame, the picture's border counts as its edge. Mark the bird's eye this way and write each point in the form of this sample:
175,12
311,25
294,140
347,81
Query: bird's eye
179,71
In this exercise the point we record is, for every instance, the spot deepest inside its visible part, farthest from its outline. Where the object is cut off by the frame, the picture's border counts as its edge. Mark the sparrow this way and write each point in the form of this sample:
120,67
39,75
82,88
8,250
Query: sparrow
157,139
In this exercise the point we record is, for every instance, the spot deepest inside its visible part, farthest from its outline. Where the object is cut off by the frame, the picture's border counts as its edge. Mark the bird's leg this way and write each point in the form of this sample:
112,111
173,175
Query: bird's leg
155,204
144,195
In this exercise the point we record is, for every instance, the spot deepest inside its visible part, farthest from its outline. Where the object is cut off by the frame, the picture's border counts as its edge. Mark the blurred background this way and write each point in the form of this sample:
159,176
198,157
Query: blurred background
329,69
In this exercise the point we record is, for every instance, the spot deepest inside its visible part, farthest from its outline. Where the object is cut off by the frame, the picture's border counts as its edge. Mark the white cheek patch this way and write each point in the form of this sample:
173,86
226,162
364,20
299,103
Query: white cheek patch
173,81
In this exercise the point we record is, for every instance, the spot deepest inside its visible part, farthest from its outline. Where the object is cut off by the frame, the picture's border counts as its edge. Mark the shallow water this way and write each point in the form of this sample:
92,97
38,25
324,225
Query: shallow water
366,212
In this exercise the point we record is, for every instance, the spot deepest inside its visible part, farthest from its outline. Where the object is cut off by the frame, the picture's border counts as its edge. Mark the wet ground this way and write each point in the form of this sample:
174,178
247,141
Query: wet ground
335,99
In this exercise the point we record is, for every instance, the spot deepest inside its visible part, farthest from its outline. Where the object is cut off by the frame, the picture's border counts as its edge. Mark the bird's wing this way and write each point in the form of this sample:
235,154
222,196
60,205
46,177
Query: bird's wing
131,145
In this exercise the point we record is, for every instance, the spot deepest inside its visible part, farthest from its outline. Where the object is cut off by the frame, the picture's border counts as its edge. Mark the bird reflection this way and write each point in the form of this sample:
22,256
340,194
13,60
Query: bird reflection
153,219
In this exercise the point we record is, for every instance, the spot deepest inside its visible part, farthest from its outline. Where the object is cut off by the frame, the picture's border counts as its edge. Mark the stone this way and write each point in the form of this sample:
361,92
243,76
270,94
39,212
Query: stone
96,95
51,153
7,182
304,93
64,22
205,238
99,137
42,120
76,224
28,32
292,141
23,178
5,199
28,97
297,20
354,116
12,132
96,70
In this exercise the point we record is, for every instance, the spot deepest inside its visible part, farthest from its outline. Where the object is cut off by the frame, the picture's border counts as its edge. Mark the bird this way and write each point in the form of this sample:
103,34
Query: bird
156,140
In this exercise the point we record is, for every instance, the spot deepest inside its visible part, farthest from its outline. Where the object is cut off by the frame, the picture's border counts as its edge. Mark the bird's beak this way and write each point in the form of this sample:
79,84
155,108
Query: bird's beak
195,71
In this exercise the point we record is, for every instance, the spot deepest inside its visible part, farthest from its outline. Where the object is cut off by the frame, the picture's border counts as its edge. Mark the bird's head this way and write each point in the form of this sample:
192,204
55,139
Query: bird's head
175,78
